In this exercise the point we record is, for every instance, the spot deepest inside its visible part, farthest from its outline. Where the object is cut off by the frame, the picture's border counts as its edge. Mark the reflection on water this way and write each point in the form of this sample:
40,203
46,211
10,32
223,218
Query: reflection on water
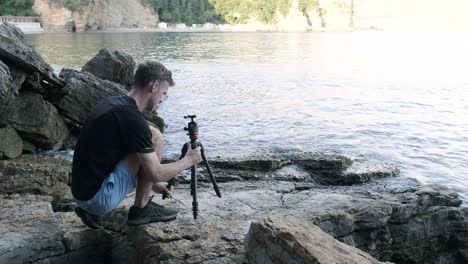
399,97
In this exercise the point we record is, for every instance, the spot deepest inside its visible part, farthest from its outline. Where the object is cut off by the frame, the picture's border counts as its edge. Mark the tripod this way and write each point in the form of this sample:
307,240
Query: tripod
192,129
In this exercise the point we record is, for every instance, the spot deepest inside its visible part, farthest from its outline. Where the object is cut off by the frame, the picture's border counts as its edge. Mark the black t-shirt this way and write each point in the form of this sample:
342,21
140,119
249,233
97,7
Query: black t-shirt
114,129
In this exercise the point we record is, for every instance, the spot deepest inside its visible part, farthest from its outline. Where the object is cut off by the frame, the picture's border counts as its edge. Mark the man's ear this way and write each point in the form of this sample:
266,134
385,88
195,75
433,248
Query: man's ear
154,86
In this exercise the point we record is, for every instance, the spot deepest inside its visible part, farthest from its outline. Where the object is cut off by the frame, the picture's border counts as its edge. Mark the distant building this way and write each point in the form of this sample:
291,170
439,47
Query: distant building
180,25
27,24
209,26
162,25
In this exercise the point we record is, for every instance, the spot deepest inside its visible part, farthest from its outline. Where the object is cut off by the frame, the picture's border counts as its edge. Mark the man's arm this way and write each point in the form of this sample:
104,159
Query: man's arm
164,172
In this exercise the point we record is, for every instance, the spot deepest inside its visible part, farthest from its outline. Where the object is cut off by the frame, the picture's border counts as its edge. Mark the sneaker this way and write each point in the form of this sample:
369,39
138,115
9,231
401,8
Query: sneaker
152,212
90,220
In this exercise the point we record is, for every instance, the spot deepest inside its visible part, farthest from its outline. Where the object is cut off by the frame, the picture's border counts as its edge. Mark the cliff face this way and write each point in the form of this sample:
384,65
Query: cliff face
98,14
328,15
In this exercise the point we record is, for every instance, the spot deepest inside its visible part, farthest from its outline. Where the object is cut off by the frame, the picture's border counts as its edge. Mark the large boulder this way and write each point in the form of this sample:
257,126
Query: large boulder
16,49
115,66
288,240
11,144
82,92
5,82
18,78
37,120
5,92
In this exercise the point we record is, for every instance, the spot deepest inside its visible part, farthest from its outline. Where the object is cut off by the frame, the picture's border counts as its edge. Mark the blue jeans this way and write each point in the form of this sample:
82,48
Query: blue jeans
113,190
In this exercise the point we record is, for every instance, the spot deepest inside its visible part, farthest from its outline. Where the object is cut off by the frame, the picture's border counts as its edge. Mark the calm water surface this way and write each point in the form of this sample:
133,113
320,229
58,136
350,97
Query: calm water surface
396,97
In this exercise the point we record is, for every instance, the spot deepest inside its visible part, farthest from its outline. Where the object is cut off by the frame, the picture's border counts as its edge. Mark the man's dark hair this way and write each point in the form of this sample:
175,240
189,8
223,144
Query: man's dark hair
149,71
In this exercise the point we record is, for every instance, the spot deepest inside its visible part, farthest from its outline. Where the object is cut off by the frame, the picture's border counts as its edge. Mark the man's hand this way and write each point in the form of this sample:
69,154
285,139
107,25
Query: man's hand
161,187
194,155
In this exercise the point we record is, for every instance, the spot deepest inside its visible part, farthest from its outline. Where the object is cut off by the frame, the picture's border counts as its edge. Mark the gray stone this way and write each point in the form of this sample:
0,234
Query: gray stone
393,219
5,92
36,174
288,240
28,147
115,66
18,78
82,92
33,233
11,144
37,120
156,120
28,229
16,49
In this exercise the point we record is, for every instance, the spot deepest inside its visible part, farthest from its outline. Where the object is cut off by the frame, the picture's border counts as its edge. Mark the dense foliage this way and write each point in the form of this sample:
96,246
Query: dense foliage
231,11
187,11
17,8
74,4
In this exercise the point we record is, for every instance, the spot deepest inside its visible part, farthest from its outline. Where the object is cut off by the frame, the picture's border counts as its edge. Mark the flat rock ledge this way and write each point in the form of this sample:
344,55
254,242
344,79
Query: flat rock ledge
392,219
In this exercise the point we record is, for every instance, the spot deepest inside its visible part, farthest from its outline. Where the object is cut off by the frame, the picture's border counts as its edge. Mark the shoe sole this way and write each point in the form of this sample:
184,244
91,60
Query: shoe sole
86,219
152,220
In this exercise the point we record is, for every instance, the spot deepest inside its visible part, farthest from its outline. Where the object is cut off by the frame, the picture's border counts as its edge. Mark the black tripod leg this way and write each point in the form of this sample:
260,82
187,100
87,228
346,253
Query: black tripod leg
207,165
193,191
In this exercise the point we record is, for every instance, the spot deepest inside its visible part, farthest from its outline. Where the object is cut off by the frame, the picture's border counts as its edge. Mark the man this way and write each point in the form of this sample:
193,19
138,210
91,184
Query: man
118,151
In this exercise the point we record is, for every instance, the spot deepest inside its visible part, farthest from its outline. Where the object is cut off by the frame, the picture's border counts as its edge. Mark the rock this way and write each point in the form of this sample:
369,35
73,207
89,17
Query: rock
36,174
28,147
82,92
115,66
70,142
16,49
5,92
336,169
156,120
261,163
287,240
28,229
11,144
386,219
33,233
307,167
37,120
393,219
18,78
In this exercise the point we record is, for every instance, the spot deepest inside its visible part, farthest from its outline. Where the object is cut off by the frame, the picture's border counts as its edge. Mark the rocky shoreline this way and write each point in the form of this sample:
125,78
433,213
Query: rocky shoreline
284,208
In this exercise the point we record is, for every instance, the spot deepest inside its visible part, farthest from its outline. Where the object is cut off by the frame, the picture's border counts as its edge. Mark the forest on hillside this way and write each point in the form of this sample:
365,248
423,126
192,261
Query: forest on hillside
186,11
218,11
17,8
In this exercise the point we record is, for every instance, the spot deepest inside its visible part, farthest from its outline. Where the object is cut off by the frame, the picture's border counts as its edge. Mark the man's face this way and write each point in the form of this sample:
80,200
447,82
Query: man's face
159,93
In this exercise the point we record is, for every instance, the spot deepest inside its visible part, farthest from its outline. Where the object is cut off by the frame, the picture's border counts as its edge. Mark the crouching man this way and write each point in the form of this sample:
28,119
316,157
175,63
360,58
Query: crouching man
117,151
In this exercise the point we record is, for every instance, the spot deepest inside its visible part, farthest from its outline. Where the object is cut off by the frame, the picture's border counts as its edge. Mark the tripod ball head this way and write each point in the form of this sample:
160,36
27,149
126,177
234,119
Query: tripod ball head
192,129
